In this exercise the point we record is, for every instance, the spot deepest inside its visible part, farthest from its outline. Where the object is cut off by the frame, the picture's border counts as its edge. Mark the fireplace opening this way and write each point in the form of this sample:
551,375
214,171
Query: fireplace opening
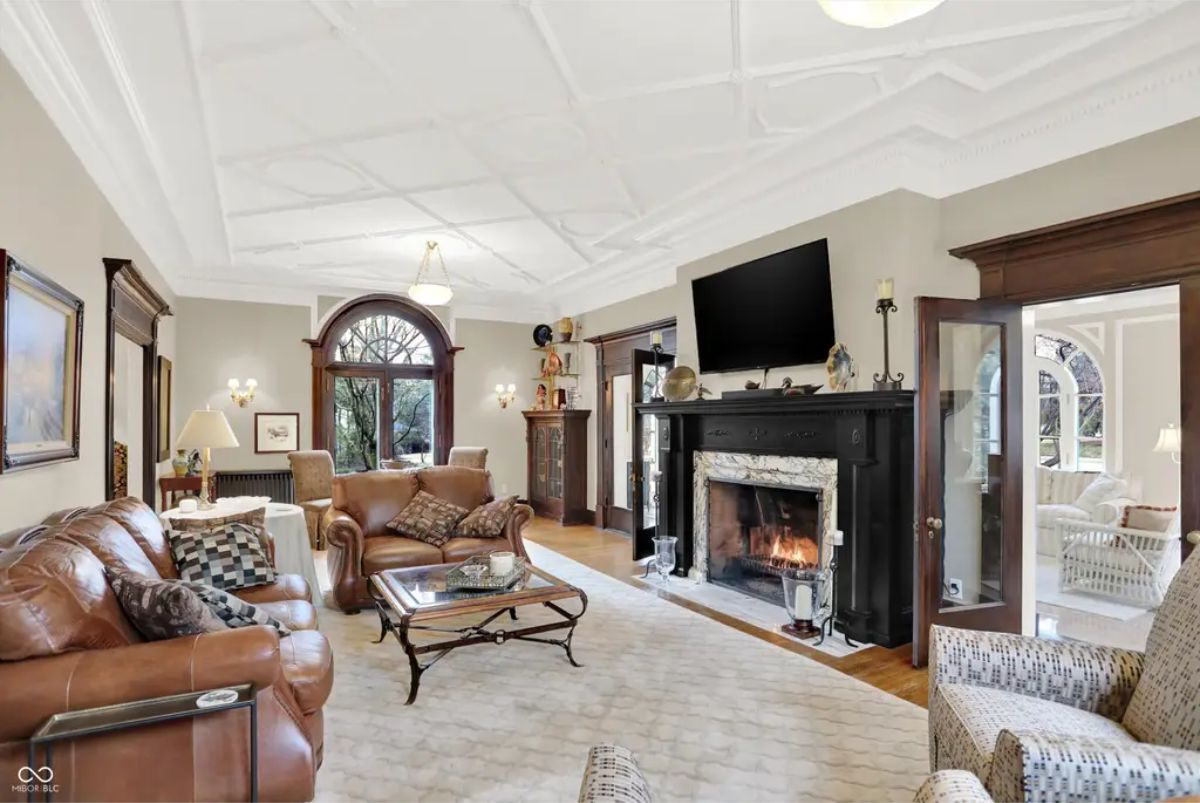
756,533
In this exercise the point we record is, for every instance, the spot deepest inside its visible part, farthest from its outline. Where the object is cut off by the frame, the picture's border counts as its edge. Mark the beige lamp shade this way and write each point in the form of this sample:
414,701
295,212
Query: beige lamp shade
206,428
1169,440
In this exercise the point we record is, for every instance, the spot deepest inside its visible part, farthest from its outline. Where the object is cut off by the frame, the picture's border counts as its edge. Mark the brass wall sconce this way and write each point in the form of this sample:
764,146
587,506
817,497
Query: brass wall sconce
242,397
506,395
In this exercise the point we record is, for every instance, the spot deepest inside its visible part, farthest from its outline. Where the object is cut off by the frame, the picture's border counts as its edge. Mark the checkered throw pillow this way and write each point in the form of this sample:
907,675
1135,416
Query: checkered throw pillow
229,556
233,611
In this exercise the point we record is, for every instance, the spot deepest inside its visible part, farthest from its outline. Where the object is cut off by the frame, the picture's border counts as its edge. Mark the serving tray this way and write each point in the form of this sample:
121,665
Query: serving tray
456,578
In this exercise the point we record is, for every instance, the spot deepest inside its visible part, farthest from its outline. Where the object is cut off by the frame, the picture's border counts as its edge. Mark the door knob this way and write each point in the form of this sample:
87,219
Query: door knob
933,523
1194,537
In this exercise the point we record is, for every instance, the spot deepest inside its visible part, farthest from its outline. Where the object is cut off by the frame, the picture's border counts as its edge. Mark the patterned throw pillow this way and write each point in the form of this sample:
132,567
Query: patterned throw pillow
488,520
1148,517
162,609
228,556
428,518
234,612
256,518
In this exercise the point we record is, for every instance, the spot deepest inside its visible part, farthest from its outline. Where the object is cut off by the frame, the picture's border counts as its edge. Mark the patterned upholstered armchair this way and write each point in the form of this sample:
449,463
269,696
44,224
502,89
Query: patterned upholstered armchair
1046,720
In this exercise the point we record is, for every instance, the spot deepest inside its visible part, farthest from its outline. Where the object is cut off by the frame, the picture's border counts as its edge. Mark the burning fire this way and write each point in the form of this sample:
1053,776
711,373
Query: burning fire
793,551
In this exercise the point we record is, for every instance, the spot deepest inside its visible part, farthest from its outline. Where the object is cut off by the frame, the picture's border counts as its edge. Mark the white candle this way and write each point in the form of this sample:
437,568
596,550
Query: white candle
839,538
884,289
501,563
804,602
656,338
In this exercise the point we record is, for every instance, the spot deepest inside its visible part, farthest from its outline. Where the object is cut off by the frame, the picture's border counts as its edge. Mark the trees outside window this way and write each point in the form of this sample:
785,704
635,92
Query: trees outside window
1071,405
384,366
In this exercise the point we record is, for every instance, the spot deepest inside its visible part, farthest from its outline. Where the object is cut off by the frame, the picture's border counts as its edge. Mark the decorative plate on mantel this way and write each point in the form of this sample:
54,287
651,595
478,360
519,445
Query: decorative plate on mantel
542,334
840,367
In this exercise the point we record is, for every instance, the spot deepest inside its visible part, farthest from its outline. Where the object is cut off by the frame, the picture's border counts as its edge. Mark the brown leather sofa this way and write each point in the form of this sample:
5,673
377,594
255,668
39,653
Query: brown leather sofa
360,543
65,644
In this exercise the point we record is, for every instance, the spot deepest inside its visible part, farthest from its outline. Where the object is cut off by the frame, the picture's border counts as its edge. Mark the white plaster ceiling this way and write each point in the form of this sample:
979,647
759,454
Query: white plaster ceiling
566,154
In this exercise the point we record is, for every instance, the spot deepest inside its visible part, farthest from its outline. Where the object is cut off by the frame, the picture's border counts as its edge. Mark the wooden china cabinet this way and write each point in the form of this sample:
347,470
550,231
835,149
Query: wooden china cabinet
557,464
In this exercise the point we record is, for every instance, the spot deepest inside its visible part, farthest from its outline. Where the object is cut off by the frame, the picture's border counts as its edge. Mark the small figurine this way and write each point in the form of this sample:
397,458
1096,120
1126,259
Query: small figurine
751,385
702,391
540,400
787,382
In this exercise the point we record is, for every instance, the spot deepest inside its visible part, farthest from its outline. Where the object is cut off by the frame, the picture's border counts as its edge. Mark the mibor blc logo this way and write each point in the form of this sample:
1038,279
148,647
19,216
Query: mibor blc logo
35,779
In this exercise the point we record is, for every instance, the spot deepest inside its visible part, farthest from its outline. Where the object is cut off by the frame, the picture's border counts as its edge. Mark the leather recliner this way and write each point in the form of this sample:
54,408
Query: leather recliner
65,644
360,543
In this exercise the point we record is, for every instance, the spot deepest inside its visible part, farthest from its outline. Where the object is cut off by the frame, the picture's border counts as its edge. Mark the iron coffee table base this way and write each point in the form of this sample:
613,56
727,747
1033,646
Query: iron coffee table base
401,625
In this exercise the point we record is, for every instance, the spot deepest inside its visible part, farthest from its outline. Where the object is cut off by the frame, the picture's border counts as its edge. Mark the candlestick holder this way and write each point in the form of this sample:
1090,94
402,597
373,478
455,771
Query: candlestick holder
656,391
886,381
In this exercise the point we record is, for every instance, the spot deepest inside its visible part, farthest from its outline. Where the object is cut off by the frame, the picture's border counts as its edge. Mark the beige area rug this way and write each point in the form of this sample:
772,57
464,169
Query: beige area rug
713,714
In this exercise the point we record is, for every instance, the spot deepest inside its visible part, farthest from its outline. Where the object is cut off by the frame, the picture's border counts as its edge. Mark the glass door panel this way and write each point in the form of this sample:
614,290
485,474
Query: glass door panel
968,455
622,390
412,421
541,483
646,472
355,423
554,463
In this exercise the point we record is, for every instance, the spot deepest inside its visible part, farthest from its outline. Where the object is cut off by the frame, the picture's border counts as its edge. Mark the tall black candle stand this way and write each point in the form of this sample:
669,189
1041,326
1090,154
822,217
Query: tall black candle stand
886,381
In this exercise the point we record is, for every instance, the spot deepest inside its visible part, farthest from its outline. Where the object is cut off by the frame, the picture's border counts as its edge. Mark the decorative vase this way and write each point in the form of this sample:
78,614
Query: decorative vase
803,597
566,328
664,555
180,463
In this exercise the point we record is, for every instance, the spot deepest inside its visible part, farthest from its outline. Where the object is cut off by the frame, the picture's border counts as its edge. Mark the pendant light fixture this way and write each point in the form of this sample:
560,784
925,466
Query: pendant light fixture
426,289
876,13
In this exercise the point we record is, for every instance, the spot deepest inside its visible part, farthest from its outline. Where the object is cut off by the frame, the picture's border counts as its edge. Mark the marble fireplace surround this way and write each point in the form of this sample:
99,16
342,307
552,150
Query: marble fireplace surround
817,473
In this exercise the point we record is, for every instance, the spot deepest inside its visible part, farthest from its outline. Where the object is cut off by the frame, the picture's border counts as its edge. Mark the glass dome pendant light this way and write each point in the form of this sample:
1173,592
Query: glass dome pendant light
876,13
426,289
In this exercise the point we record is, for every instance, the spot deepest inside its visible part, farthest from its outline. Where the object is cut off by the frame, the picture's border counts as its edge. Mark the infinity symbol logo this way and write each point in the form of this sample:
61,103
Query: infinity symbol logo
30,774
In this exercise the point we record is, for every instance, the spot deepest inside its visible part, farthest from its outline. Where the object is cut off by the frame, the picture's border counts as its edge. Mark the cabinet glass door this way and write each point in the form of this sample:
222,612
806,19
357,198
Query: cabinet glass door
645,472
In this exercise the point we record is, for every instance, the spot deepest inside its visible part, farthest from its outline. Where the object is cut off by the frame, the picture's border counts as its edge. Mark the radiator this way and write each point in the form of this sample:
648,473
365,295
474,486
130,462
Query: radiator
272,482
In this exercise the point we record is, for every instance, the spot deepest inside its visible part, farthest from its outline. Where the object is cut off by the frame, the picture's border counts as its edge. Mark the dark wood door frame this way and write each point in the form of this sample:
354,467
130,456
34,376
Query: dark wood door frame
134,309
1149,245
614,356
324,368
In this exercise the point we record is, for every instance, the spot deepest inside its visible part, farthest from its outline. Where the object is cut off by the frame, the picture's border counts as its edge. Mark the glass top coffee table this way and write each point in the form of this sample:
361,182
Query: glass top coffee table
413,599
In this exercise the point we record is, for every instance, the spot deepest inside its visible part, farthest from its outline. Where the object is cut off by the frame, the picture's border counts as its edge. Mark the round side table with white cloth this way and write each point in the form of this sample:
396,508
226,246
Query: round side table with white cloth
287,528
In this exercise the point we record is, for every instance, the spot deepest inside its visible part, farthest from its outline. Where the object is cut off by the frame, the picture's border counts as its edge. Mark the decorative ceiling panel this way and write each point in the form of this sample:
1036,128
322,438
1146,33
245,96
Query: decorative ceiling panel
565,154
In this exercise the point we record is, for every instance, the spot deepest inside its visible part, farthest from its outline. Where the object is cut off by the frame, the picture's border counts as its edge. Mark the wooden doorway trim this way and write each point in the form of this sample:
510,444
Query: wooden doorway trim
1149,245
614,356
134,309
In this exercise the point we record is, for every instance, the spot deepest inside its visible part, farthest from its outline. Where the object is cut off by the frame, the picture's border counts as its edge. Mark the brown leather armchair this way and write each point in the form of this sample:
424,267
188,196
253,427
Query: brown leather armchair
360,543
65,644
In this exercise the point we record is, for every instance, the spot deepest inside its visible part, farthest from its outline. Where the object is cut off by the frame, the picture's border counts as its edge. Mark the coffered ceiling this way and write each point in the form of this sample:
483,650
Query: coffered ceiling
565,154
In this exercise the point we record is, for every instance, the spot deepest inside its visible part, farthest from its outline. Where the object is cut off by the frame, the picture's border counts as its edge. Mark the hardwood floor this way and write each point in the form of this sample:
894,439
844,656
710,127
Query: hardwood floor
609,552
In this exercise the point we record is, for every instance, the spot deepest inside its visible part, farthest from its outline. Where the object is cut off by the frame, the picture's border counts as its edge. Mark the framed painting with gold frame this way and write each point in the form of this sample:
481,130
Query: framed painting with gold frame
41,349
164,408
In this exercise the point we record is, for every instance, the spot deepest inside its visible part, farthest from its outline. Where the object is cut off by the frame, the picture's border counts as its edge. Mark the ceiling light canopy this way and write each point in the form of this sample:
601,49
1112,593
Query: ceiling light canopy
425,289
876,13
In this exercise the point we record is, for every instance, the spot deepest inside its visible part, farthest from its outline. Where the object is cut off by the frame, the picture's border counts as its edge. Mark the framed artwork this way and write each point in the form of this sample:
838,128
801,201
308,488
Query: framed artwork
275,433
164,409
41,346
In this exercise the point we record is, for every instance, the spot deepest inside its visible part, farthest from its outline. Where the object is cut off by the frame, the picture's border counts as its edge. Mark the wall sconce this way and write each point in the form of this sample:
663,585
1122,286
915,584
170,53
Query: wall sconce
239,396
506,395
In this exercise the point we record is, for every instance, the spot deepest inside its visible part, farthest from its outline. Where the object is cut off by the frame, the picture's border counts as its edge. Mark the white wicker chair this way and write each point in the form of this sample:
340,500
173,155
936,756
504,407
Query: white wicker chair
1118,562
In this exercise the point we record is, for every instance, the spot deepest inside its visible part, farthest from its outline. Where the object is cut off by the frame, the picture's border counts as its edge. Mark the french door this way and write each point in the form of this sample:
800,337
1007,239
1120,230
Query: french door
380,415
645,473
968,473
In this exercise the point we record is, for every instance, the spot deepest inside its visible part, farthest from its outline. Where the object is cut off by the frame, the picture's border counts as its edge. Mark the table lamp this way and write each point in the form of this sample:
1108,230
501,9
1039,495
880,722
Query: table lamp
206,429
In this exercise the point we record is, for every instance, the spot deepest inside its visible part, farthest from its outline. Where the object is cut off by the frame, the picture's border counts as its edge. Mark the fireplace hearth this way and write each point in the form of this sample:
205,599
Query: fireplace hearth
759,532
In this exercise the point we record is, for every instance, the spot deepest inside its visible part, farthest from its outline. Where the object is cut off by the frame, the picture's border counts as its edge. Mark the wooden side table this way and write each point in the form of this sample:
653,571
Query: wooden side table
170,486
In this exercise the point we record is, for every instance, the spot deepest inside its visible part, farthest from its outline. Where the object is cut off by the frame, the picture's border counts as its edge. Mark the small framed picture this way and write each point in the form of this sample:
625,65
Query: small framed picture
276,433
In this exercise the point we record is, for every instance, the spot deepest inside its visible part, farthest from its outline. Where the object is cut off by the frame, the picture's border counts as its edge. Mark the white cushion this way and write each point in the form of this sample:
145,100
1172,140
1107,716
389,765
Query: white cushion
1102,489
1047,515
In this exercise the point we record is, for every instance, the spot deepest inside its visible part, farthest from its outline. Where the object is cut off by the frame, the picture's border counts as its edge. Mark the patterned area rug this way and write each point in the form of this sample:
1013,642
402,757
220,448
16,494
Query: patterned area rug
712,714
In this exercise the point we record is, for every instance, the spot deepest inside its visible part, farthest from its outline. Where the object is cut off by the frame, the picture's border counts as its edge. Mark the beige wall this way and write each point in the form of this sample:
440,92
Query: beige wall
494,354
223,340
54,218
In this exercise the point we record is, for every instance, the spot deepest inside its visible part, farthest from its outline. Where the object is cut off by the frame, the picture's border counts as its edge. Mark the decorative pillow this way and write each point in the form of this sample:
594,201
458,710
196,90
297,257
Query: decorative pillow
229,556
162,609
256,518
1102,489
1148,517
487,521
231,610
428,518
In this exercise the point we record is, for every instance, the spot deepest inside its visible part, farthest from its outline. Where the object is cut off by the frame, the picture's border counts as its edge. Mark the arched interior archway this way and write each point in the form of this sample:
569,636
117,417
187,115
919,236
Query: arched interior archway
383,384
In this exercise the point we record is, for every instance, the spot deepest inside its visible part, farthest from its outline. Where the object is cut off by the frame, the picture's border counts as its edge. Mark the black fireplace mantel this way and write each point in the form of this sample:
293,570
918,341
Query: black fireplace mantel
871,436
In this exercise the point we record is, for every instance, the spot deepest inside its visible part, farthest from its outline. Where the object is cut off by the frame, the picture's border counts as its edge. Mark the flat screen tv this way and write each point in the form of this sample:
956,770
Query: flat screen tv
774,311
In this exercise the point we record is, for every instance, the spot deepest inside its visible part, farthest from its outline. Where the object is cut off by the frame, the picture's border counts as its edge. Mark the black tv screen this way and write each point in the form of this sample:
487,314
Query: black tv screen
774,311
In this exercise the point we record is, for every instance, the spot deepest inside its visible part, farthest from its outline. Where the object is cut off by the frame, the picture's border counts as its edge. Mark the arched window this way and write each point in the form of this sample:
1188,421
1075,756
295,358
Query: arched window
1070,405
383,385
